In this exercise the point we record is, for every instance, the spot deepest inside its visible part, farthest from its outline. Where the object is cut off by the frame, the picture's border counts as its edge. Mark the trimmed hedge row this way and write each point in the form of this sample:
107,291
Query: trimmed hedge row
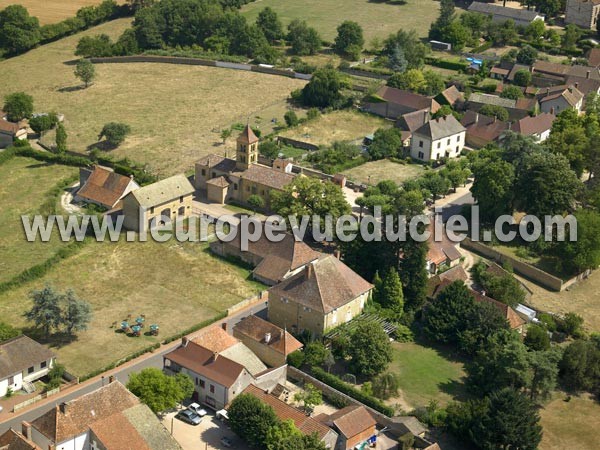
337,383
445,64
7,155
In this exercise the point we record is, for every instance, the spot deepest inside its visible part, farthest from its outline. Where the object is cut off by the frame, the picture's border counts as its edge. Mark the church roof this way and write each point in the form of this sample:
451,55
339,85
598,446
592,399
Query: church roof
247,136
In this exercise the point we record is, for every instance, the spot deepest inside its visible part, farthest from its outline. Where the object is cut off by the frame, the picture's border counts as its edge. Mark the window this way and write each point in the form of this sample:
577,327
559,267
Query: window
247,188
181,211
203,172
448,141
421,155
439,144
235,186
11,381
43,364
210,401
457,149
30,370
458,138
181,199
212,389
421,144
214,174
202,384
152,210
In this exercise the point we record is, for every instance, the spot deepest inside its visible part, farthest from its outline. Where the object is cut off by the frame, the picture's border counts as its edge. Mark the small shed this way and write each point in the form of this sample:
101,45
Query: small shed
339,180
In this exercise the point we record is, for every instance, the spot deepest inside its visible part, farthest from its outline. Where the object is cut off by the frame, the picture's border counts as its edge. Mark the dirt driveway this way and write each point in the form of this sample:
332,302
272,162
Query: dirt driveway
207,435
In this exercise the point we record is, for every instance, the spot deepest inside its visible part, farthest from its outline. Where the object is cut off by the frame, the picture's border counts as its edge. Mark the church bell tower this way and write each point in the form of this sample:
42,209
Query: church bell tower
247,149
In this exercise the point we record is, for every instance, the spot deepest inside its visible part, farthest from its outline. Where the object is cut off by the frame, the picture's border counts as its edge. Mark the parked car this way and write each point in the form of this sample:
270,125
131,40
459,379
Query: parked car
188,416
226,442
195,407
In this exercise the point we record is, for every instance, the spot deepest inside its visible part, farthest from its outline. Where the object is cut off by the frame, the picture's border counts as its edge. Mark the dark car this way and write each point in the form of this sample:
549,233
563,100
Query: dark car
188,416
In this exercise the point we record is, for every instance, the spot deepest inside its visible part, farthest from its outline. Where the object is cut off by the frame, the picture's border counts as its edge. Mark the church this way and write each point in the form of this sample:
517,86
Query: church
235,180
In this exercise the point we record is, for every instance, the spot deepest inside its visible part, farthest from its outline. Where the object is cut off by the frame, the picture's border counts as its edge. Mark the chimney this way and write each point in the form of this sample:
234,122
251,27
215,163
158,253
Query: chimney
184,341
338,254
224,326
587,74
131,177
215,356
425,116
267,338
309,270
63,407
577,85
547,91
111,379
476,118
26,430
570,89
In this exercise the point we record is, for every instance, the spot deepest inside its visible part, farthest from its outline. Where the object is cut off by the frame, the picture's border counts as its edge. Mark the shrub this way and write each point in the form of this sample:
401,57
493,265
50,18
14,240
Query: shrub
295,359
291,119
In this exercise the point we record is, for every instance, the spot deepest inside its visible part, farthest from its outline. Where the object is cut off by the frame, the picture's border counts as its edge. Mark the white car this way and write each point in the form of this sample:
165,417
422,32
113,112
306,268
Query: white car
197,409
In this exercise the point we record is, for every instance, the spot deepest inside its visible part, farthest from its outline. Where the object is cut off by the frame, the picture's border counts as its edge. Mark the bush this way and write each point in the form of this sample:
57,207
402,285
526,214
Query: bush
43,122
351,391
296,359
291,118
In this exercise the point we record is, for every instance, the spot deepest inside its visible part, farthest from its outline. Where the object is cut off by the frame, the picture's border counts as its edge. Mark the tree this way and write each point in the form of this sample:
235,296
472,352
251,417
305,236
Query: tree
527,55
45,312
446,316
583,253
85,71
270,149
537,338
544,368
391,296
511,92
387,142
411,80
315,353
19,31
496,111
414,51
572,324
95,46
251,420
493,188
511,421
522,78
77,313
445,18
580,366
386,385
304,40
370,349
43,122
114,133
61,138
535,30
482,322
291,119
413,273
269,23
434,83
436,185
396,59
323,90
139,4
158,390
349,40
225,134
7,332
18,106
456,34
310,397
571,36
256,202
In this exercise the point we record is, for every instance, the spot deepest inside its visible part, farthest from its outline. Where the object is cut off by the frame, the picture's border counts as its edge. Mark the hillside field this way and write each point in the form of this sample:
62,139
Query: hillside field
52,11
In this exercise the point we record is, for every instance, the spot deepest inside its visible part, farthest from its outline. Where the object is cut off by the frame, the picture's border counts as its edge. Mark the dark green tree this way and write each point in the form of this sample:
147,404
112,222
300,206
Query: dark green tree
496,111
523,78
370,349
269,23
291,119
18,106
19,31
391,296
349,40
493,188
544,372
580,366
584,252
482,322
323,90
511,92
251,420
443,21
304,40
61,138
413,273
76,314
85,71
115,133
315,353
387,142
537,338
527,55
446,317
158,390
386,385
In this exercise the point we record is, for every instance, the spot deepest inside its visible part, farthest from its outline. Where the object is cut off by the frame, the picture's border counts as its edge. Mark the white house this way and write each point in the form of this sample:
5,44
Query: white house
499,13
22,361
539,126
556,99
443,137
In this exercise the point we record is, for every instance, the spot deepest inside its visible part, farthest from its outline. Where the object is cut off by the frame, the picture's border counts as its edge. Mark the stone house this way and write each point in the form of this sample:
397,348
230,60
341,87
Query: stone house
22,362
354,424
583,13
393,103
323,295
158,203
443,137
554,100
13,440
482,130
269,342
499,13
517,109
225,179
102,186
539,126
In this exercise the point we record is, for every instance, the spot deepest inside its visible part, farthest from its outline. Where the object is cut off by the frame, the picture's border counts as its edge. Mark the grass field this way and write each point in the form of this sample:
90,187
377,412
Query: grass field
175,112
375,171
378,19
51,11
571,425
24,185
336,126
176,285
426,374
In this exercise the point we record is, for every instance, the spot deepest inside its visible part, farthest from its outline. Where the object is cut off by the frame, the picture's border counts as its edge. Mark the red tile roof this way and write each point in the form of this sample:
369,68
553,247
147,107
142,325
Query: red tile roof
117,433
13,440
104,186
256,329
247,136
9,127
535,125
215,339
306,424
351,420
408,99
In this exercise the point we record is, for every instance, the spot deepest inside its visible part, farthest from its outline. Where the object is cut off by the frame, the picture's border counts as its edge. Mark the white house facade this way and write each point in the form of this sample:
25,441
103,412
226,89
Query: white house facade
439,138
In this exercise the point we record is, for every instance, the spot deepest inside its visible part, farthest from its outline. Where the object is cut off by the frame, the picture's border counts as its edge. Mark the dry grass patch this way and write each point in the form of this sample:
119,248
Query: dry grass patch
175,112
52,11
337,126
571,425
375,171
25,183
378,19
175,285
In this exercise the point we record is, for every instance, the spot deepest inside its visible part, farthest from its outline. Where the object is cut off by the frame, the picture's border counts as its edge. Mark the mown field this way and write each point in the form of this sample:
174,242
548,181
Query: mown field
175,112
378,19
25,183
175,285
375,171
52,11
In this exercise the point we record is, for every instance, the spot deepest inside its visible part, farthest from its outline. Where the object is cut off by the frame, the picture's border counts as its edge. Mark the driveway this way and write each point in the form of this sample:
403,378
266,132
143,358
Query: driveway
207,435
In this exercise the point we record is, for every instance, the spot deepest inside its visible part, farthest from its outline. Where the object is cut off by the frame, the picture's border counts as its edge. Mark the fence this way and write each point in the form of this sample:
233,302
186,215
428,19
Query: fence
198,62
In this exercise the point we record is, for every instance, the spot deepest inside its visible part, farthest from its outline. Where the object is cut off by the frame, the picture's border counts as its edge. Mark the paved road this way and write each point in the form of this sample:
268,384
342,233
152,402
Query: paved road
12,420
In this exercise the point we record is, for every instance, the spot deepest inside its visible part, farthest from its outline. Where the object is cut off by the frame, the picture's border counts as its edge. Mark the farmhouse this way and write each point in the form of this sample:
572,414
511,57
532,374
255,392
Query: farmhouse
583,13
482,130
499,13
323,295
306,424
354,424
23,361
517,109
269,342
560,98
102,186
163,201
225,179
110,418
443,137
539,126
394,103
272,261
11,132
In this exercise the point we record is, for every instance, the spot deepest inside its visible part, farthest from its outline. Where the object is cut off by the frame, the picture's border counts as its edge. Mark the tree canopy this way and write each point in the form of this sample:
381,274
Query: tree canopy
158,390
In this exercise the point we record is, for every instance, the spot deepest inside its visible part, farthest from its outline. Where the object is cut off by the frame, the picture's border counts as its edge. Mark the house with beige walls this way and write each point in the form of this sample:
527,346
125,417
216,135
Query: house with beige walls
166,200
324,294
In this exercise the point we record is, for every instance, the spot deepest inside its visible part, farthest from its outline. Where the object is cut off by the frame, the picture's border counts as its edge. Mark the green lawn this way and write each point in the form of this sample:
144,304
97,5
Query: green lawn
426,374
373,172
378,19
25,183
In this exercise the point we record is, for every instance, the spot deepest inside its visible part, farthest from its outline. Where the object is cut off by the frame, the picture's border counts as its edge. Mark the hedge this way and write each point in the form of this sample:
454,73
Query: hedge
7,155
120,362
445,64
483,47
337,383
